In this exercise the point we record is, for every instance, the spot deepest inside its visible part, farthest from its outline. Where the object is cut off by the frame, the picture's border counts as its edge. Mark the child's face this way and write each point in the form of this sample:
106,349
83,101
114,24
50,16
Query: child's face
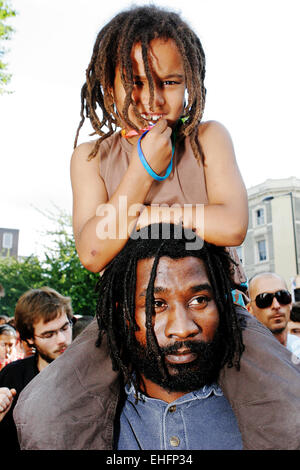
169,84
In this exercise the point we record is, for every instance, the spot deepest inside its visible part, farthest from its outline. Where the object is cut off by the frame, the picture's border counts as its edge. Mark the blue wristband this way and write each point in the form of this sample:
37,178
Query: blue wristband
148,167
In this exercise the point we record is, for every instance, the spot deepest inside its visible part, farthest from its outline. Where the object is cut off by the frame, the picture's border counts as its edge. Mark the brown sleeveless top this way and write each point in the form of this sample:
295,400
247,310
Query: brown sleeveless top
178,188
185,185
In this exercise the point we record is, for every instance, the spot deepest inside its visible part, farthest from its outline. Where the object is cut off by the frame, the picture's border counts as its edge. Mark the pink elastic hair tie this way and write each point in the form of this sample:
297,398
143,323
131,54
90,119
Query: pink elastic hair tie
133,132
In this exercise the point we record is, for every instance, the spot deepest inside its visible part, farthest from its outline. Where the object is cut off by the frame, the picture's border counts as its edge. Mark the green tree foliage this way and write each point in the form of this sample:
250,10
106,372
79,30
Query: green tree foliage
16,277
63,270
5,34
60,269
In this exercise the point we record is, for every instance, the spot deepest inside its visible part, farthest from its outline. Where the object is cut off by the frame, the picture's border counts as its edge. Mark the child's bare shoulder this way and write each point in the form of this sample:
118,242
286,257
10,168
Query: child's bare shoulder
82,151
209,130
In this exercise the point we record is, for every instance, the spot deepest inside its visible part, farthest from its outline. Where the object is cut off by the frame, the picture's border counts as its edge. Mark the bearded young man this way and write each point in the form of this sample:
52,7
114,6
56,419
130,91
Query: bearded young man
44,320
169,371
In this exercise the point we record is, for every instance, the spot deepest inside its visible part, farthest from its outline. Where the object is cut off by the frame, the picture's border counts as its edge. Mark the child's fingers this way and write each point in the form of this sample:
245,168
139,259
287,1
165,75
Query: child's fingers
161,127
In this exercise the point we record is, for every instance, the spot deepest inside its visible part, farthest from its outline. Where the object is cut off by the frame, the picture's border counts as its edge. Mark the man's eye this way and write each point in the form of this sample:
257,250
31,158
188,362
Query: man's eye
138,83
158,304
201,301
47,335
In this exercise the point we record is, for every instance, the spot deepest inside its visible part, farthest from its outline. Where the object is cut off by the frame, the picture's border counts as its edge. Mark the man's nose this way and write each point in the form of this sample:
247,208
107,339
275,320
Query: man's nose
180,324
275,303
8,349
60,337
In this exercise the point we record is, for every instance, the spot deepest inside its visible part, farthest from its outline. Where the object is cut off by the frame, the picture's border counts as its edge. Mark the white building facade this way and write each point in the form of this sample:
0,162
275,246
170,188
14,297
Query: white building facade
273,238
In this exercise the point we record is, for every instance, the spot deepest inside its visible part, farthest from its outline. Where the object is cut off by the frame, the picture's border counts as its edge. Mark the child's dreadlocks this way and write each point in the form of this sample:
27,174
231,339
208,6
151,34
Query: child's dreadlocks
113,47
116,302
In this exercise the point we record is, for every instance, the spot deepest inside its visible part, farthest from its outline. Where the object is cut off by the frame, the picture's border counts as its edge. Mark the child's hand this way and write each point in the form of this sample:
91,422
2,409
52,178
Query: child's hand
6,398
157,146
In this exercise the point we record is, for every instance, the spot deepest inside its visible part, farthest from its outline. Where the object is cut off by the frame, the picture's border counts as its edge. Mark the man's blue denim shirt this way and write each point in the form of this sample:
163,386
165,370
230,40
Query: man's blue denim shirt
201,420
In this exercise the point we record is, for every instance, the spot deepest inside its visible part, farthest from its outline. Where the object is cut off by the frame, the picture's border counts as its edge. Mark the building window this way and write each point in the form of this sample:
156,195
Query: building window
260,216
7,241
262,250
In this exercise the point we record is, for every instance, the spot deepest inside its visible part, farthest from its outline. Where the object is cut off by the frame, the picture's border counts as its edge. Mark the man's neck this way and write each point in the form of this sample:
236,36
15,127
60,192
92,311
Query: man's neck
154,390
41,363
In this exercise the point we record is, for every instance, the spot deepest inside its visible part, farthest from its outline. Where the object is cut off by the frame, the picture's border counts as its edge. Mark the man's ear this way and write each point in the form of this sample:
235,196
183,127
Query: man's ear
249,308
30,341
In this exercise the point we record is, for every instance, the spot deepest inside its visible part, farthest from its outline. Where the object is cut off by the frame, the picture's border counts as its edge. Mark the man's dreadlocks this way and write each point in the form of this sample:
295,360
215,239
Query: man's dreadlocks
116,302
113,47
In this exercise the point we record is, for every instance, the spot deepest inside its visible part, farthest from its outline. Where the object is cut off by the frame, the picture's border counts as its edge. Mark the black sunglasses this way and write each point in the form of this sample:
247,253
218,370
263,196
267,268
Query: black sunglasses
265,299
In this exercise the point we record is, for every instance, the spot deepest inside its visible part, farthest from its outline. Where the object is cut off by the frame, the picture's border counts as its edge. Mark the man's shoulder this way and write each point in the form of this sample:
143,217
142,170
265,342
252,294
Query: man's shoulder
18,373
18,365
80,386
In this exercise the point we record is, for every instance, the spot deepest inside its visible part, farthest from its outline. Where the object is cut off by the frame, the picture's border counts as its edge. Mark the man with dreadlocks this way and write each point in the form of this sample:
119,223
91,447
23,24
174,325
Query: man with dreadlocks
177,365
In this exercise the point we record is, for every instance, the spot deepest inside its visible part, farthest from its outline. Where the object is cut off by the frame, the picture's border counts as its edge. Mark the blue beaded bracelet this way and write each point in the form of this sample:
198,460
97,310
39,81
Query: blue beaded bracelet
148,167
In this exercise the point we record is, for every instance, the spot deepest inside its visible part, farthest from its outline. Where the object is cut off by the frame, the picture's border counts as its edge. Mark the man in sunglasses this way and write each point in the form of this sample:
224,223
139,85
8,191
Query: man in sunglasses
271,303
44,320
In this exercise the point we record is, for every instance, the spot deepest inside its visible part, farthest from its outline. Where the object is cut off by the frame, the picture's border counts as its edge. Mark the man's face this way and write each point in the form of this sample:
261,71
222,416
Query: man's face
277,315
52,338
185,324
7,345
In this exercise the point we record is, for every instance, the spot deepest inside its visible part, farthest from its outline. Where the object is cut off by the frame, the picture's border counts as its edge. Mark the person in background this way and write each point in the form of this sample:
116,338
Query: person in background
3,319
8,345
294,321
23,349
81,323
44,320
271,303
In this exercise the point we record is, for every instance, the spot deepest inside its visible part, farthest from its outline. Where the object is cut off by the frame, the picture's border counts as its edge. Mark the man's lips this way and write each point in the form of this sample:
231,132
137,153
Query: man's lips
61,350
278,316
181,357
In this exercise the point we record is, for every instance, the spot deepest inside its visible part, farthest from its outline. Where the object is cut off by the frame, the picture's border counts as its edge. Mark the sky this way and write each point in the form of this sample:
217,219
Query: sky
252,81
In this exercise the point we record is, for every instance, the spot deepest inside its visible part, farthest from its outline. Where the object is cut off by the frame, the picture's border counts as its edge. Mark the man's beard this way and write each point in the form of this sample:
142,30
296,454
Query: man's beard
204,370
277,331
46,356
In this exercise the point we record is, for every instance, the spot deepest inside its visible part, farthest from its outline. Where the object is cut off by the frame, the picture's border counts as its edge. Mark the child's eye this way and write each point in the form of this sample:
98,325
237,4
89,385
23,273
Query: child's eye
200,301
169,82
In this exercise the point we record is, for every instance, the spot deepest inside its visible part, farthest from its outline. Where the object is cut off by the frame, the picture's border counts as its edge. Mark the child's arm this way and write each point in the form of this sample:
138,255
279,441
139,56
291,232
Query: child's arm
226,214
92,210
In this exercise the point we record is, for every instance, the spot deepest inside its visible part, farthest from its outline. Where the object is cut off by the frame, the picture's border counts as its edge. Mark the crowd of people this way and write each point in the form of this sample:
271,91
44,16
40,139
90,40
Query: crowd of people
207,369
43,328
183,354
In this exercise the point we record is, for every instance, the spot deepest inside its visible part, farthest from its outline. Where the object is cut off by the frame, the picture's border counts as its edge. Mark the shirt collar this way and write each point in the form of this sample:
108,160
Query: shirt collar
199,394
